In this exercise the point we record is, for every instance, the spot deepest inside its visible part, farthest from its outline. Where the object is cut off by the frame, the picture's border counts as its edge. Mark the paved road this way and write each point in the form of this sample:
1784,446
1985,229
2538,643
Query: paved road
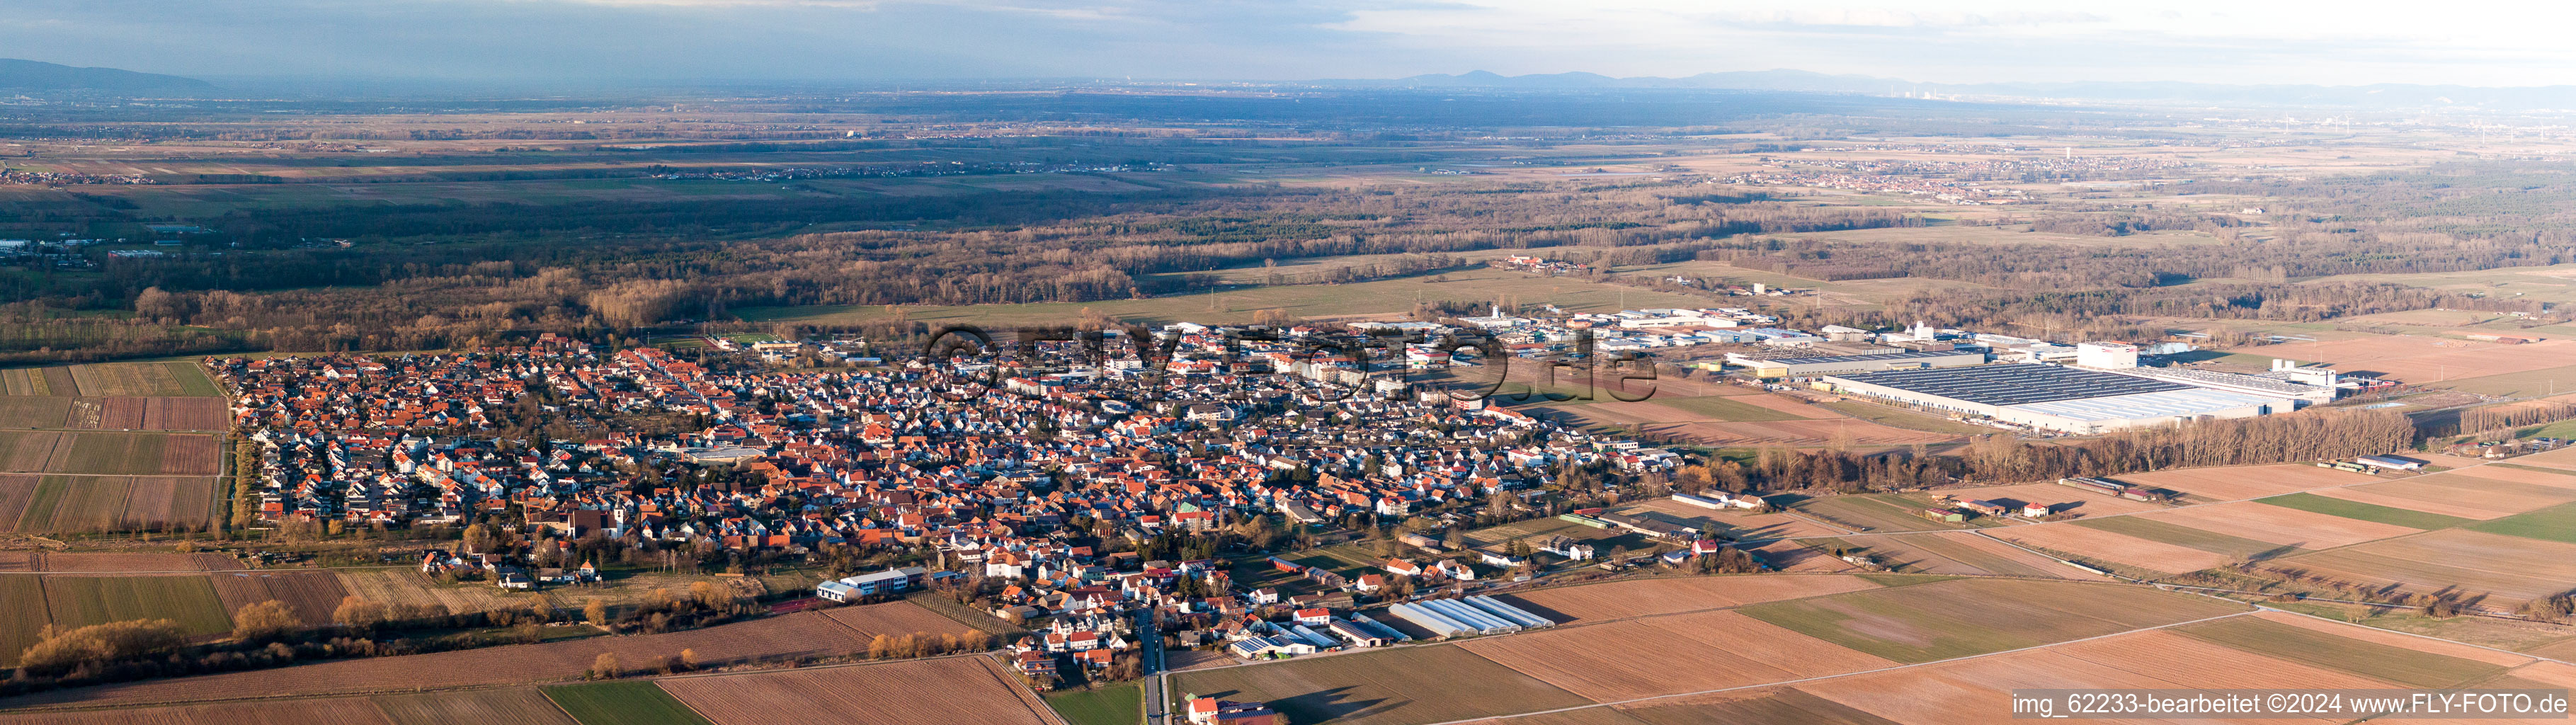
1150,643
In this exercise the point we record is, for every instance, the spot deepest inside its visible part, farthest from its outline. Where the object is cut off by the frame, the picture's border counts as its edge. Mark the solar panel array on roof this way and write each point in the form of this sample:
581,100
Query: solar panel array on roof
2013,384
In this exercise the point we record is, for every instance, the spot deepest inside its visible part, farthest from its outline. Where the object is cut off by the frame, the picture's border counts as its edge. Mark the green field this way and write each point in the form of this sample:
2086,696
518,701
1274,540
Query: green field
2179,535
81,601
632,702
1963,617
2556,523
1122,704
1873,513
22,615
2299,644
2330,506
1236,306
117,453
2534,383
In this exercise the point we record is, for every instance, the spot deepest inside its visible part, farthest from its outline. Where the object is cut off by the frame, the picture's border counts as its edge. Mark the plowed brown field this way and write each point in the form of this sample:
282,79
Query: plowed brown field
2114,548
946,691
477,707
1641,597
352,711
98,563
2230,483
312,594
1670,655
2280,525
895,618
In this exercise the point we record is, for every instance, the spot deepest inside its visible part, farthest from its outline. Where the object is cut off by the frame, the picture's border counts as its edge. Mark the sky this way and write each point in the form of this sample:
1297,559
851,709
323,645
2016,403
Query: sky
1964,41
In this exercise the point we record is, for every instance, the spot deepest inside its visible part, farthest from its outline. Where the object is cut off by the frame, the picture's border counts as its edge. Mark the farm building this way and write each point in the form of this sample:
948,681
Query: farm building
2391,462
1212,711
1831,364
2057,398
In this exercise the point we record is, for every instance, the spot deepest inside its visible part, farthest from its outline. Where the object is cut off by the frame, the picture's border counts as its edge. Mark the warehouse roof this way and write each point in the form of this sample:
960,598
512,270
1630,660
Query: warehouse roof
2163,404
1908,355
2014,384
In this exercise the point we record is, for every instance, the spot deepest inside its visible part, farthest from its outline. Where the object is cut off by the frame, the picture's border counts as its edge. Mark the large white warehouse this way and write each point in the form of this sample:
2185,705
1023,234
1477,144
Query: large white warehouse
2058,398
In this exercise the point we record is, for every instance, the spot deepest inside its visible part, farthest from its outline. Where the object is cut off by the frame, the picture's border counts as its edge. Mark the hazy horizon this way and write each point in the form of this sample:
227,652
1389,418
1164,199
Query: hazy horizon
584,42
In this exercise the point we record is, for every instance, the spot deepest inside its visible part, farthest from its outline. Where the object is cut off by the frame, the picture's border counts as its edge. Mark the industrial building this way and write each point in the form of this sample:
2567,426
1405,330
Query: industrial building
2304,393
1472,615
1831,364
2107,355
2058,398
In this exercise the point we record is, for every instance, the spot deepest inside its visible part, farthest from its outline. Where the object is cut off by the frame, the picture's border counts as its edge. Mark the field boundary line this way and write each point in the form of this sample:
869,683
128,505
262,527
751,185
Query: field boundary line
1795,682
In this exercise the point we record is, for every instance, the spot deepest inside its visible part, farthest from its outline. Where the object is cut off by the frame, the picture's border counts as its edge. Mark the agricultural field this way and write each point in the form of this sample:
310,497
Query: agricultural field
969,690
1669,655
144,380
2556,523
1957,552
1646,597
633,702
1774,705
48,382
2235,548
2472,493
2059,499
1120,704
1974,690
22,599
803,634
354,711
2512,569
161,414
1743,525
895,618
2278,525
1403,686
483,707
1962,617
2231,483
64,562
2365,512
2393,658
30,504
2563,459
81,601
407,586
2423,360
312,594
1873,512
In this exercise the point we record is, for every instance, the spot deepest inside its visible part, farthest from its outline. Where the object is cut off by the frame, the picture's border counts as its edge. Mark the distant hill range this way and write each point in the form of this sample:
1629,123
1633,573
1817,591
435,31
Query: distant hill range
42,76
2380,96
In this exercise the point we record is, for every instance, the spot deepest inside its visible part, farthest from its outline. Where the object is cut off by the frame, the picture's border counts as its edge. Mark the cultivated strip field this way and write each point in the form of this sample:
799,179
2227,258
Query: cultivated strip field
894,618
142,380
1642,597
973,690
1391,687
480,707
56,381
354,711
105,452
2230,483
174,414
2113,547
101,563
2457,494
794,635
2563,459
628,702
407,586
107,503
1962,617
2424,360
2279,525
2512,568
1958,552
1669,655
312,594
2059,499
